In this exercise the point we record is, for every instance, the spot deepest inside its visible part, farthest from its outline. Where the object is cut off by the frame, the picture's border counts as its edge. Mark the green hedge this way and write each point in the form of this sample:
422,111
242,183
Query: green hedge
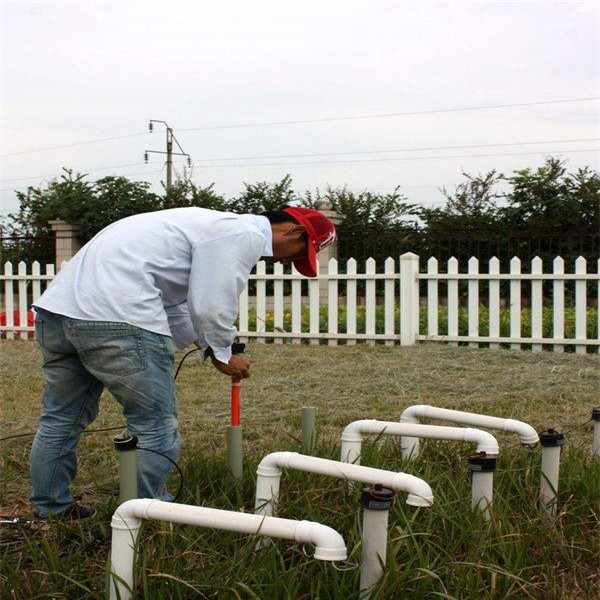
463,328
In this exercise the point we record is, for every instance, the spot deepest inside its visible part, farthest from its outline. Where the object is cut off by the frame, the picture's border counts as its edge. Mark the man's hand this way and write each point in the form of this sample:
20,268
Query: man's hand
238,367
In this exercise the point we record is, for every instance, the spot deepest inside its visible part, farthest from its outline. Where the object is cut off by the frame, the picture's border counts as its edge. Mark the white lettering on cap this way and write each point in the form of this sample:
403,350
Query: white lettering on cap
330,239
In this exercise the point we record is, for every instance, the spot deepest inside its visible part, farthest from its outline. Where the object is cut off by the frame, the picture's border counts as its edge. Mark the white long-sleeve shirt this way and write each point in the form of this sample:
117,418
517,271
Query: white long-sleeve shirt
176,272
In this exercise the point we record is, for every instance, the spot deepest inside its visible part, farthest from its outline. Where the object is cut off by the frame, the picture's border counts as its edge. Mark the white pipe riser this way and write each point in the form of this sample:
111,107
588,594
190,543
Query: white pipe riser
268,481
374,544
125,530
482,491
549,477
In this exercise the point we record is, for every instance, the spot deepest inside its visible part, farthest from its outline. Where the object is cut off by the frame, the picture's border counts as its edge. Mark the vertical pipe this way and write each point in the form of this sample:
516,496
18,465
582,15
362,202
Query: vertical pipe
376,502
482,469
410,447
124,535
126,447
596,419
551,441
308,429
235,451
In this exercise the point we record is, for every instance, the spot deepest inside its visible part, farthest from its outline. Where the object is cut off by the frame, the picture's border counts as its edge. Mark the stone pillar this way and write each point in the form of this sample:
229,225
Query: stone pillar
331,251
67,243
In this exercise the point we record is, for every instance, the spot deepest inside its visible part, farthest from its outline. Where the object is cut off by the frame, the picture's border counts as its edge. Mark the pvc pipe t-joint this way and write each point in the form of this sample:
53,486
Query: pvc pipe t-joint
526,433
352,436
271,466
329,544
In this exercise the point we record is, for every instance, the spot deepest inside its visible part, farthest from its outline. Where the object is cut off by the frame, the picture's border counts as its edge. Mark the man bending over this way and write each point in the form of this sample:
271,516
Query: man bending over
112,315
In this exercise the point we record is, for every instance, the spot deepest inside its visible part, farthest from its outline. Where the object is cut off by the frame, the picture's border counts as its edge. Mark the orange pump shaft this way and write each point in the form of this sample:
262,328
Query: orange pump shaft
235,402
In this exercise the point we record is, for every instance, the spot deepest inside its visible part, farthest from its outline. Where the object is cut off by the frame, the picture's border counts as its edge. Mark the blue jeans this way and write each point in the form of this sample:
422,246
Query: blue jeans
80,358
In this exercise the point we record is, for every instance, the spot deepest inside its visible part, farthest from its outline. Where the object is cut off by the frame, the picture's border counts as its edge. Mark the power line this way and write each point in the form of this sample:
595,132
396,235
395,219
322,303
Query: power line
299,121
406,158
399,150
109,139
331,162
88,170
334,154
399,114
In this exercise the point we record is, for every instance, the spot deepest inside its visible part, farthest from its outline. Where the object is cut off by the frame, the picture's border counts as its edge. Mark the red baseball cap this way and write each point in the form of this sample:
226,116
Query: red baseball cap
321,233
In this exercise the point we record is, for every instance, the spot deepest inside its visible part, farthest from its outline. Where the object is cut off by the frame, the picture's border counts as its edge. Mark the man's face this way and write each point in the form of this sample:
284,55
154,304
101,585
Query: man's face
289,242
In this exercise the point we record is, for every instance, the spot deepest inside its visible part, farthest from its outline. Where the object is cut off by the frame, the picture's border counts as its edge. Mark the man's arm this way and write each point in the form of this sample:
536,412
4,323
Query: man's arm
219,273
180,324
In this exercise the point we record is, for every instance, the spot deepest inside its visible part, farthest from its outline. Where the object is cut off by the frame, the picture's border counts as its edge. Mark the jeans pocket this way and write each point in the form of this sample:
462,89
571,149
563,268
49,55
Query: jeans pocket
106,347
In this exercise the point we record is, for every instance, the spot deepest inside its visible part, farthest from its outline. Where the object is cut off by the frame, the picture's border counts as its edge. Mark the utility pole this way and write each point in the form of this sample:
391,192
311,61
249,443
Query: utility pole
169,152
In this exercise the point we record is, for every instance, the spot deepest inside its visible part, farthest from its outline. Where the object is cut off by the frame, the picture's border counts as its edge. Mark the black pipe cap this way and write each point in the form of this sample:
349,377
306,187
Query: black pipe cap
481,462
125,442
596,414
551,438
377,498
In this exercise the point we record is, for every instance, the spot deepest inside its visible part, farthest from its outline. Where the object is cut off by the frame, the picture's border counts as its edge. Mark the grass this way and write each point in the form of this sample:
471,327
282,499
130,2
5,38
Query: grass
445,552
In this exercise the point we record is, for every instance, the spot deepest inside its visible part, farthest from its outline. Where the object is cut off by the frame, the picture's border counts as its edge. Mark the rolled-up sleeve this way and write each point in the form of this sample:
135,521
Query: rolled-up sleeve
219,273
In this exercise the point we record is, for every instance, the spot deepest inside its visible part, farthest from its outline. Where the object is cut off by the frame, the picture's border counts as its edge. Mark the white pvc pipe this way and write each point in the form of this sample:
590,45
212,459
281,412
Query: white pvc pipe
352,436
270,468
549,478
329,544
374,543
482,486
410,445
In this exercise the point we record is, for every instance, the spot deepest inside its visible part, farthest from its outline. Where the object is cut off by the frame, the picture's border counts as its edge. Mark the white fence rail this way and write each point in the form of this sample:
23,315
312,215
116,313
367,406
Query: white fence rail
524,307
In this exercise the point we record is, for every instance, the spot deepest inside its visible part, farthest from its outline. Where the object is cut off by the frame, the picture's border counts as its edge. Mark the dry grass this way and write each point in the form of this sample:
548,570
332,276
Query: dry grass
343,382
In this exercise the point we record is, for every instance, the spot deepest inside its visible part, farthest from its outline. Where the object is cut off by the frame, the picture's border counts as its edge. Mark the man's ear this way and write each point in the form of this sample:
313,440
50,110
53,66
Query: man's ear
294,230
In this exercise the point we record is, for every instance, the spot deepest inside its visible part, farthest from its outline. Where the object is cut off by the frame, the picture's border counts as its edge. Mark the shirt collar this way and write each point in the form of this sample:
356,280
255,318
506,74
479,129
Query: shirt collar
264,226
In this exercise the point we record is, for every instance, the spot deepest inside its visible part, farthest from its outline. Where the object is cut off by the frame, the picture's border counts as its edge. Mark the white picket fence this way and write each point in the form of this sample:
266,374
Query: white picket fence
398,304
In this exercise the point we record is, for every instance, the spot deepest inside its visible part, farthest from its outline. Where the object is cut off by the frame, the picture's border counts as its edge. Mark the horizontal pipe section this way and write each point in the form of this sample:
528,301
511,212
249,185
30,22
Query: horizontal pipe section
526,433
270,469
352,436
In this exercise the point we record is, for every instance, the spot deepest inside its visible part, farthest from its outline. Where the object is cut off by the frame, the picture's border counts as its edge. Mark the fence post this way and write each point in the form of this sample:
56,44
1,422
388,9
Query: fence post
409,298
67,244
328,253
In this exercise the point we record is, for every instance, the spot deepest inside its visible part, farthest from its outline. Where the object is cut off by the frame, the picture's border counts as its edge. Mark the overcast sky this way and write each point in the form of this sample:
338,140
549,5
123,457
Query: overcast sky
79,71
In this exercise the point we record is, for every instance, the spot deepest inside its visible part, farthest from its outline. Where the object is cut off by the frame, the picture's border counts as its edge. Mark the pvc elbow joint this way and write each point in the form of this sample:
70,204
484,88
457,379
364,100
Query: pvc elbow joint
272,464
329,544
419,491
527,434
354,431
129,514
485,441
412,413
